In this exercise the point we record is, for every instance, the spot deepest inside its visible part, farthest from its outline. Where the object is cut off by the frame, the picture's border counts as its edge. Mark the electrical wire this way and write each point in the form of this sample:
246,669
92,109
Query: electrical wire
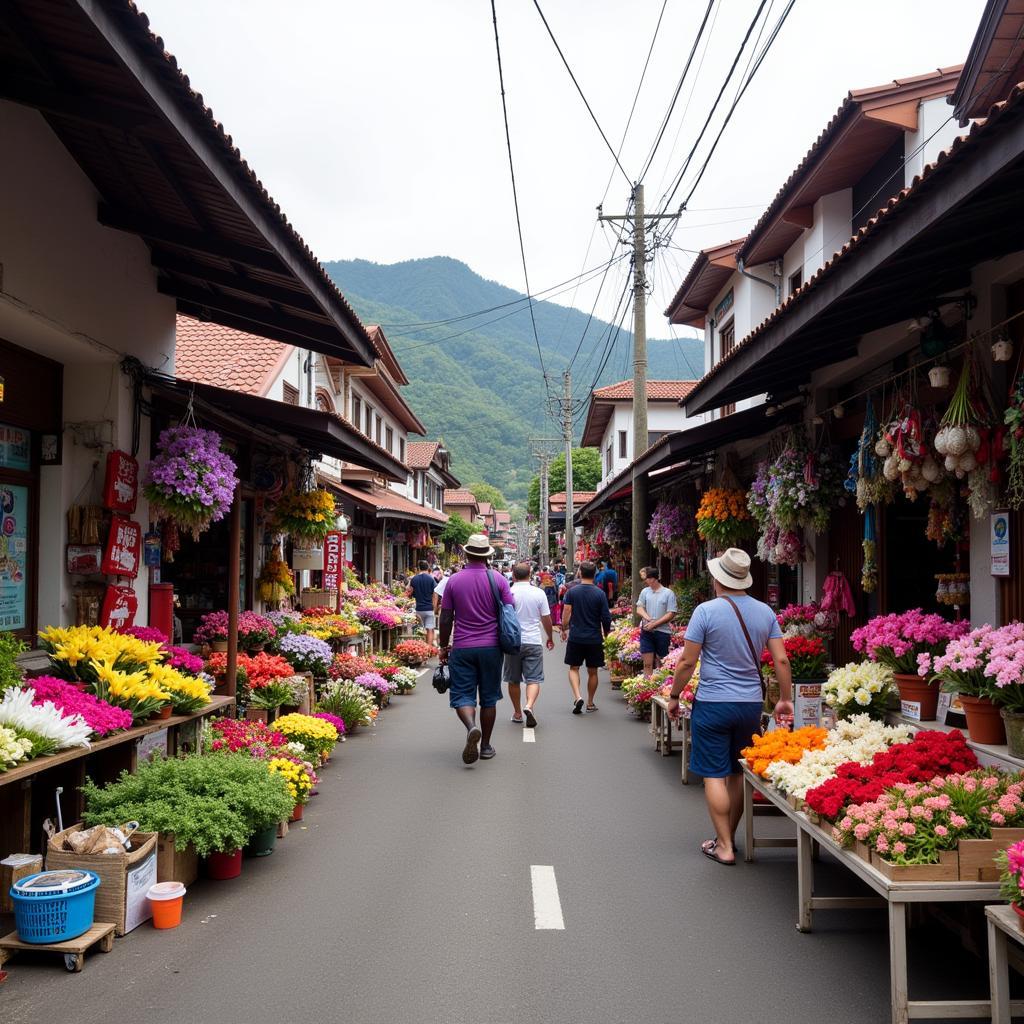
515,193
590,111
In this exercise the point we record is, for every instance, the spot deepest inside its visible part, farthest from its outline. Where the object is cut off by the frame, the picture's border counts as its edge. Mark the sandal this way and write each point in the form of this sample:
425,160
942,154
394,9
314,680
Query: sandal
710,847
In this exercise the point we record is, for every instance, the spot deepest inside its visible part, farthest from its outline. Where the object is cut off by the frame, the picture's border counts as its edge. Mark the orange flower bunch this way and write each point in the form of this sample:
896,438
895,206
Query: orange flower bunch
782,745
722,503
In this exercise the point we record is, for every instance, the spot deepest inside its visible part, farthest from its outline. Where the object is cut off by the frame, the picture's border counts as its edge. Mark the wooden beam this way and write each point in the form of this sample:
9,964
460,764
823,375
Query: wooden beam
176,263
88,109
188,238
801,216
902,115
269,317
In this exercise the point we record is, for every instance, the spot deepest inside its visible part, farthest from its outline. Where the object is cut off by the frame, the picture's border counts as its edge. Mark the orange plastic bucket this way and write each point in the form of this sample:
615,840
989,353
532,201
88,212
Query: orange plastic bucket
166,899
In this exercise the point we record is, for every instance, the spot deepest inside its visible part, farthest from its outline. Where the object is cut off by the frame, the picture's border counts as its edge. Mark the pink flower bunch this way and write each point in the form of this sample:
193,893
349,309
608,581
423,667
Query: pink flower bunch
148,634
986,662
184,661
101,717
897,640
338,723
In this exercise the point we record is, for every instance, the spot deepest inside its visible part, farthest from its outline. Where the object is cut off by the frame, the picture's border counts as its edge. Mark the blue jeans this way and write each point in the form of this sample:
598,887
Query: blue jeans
475,673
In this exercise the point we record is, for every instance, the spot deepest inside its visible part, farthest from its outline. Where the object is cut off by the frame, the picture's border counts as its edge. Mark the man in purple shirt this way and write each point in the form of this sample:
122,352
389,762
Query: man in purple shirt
475,659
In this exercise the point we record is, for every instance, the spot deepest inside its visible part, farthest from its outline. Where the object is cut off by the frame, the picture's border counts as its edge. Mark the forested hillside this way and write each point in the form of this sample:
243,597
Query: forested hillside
477,382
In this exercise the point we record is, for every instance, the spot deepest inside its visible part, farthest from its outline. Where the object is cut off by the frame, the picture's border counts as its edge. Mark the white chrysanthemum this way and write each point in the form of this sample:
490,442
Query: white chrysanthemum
13,748
46,720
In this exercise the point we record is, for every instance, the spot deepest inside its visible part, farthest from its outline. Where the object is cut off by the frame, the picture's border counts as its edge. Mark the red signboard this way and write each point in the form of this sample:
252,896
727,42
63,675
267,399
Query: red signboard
124,548
334,548
121,485
119,607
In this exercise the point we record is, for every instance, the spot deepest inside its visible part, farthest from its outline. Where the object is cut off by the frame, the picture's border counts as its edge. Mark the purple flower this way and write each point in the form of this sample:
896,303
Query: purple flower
307,653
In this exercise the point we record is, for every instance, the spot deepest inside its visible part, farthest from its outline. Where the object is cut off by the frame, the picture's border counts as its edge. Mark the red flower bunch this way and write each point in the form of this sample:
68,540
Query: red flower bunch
929,754
318,612
348,666
806,654
414,652
258,669
237,734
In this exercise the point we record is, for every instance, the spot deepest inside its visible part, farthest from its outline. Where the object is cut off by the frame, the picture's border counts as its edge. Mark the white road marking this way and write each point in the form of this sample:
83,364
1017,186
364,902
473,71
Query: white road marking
529,736
547,907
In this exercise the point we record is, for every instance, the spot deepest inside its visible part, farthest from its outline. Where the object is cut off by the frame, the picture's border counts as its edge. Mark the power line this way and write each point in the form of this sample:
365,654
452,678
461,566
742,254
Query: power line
679,89
590,111
586,326
515,194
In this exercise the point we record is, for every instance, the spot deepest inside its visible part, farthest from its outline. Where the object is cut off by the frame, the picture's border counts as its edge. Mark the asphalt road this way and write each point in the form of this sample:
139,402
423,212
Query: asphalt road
405,896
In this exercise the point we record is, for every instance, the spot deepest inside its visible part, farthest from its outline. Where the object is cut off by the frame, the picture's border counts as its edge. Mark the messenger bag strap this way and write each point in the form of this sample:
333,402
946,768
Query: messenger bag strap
750,645
494,594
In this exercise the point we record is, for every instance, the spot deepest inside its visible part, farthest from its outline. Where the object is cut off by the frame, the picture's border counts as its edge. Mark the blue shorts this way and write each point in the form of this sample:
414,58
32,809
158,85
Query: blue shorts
653,642
475,672
719,731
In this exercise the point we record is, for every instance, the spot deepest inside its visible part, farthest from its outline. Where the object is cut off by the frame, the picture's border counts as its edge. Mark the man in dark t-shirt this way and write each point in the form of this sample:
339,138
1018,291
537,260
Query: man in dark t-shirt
586,621
421,587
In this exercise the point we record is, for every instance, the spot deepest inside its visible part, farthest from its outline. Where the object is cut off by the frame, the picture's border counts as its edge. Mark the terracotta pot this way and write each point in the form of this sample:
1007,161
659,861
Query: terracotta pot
164,712
256,714
1020,913
219,646
297,813
1013,722
915,688
983,722
221,866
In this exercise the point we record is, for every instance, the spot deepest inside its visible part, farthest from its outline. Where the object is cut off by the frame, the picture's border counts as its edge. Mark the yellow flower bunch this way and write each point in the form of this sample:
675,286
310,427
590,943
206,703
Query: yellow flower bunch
275,580
299,782
187,693
296,725
134,691
75,648
309,514
333,627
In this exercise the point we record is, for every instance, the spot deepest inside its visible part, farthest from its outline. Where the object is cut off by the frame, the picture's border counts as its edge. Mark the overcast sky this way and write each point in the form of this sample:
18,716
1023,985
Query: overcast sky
378,126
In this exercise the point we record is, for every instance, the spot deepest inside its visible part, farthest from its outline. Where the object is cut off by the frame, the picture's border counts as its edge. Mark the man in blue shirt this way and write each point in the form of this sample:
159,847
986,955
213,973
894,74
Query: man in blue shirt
421,587
608,580
586,622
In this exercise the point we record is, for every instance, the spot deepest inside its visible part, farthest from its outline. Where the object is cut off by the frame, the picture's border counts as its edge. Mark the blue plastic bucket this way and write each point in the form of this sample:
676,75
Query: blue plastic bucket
54,906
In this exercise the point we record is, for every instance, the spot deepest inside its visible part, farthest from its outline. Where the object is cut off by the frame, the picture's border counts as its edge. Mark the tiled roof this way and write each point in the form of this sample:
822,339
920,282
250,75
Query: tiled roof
943,162
420,454
486,508
710,270
657,390
454,496
557,500
210,353
384,500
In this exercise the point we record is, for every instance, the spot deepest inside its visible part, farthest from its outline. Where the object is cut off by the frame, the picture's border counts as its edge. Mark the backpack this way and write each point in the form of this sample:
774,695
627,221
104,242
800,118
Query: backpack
510,635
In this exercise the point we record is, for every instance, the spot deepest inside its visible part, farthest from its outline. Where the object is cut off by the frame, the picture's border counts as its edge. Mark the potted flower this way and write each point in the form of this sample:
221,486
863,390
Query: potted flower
723,519
300,778
673,530
254,632
351,703
316,735
378,686
213,631
1011,877
306,516
190,481
414,652
860,688
906,644
264,702
307,653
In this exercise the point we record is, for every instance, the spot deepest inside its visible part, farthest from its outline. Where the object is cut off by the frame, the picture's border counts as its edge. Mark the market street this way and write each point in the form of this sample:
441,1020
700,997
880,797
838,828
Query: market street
405,895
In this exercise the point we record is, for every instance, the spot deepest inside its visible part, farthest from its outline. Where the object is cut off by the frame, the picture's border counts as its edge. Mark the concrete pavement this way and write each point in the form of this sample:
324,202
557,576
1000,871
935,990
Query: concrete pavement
405,896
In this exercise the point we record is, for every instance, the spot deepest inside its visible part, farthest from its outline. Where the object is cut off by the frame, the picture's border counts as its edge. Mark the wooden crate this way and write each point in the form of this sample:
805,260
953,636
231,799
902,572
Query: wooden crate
861,850
173,864
947,870
978,856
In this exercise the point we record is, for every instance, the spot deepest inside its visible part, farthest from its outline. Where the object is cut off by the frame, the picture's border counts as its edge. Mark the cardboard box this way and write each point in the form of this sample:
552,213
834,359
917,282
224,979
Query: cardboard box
121,897
173,864
18,865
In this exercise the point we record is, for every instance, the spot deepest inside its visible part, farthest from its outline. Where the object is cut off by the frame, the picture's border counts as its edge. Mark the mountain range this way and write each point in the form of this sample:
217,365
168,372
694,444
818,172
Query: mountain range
477,382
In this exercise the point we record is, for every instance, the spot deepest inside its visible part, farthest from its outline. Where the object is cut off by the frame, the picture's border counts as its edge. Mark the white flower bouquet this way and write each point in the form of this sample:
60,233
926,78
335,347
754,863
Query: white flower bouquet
859,688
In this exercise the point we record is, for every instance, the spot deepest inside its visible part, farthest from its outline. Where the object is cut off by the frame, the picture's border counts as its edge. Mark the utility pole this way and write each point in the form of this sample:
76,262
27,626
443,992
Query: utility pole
641,546
543,448
570,526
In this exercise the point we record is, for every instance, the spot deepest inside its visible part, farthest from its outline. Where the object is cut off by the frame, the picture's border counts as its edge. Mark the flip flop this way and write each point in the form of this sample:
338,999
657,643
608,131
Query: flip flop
531,718
471,751
709,848
591,708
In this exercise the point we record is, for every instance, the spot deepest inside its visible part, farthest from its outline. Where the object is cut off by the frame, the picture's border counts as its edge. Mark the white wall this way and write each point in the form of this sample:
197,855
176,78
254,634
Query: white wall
661,416
85,296
936,130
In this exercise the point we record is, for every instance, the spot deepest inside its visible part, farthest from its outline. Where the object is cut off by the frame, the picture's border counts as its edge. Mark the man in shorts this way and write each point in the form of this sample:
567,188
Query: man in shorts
421,587
586,621
475,658
656,607
528,665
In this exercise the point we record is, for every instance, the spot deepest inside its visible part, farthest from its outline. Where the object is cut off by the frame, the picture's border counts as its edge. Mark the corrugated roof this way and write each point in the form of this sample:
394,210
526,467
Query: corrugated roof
211,353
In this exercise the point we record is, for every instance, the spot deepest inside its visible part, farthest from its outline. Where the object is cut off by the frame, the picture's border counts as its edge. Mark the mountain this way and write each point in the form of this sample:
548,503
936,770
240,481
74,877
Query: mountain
477,382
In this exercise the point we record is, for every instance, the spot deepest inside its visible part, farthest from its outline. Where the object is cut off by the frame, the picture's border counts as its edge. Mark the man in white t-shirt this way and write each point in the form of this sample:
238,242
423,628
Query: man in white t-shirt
527,666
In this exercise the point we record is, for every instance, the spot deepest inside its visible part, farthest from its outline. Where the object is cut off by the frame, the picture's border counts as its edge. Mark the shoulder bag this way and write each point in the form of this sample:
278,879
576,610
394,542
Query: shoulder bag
510,636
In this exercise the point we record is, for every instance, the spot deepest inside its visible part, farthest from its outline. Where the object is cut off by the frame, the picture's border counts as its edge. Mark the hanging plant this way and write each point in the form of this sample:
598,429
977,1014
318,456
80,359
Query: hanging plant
275,581
723,518
869,571
958,438
306,516
672,530
190,481
866,479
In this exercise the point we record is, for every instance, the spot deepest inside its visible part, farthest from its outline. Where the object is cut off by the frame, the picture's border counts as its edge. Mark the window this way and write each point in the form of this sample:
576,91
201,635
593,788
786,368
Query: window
389,436
608,459
622,444
727,342
415,485
653,436
369,422
377,430
291,394
357,412
796,280
401,449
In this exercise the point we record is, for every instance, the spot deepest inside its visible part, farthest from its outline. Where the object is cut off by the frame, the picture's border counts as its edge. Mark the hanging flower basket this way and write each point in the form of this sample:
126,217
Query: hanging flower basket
190,482
306,516
723,519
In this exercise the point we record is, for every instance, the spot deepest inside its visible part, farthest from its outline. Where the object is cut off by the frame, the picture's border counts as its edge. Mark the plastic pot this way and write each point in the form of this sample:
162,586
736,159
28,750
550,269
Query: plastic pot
222,866
263,842
167,899
916,689
297,813
983,722
1013,721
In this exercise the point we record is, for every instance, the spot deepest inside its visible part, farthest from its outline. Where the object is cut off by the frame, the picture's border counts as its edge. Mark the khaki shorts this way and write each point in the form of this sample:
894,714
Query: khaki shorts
526,666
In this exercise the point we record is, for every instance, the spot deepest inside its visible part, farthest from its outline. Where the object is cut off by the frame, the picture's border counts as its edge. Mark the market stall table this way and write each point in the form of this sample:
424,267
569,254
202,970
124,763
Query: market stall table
893,895
661,728
1003,923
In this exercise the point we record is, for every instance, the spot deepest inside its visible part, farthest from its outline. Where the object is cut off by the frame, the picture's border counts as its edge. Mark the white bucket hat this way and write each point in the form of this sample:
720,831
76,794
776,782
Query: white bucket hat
478,545
732,569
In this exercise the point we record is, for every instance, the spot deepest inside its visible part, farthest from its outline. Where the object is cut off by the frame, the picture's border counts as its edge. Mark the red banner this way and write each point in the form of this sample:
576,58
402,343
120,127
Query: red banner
334,550
119,607
121,484
124,548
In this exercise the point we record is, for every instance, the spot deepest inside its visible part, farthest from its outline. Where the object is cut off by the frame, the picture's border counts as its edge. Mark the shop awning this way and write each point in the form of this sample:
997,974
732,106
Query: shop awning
684,446
167,171
963,210
388,505
319,433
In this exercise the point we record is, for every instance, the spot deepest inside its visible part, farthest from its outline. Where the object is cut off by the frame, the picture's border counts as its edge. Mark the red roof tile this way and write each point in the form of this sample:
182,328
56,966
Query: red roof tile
210,353
657,390
384,500
454,496
420,454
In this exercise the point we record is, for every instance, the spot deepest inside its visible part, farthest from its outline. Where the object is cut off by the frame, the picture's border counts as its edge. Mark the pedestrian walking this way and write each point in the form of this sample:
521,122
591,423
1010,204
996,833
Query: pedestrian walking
528,665
439,590
586,621
474,658
421,587
608,580
728,634
656,607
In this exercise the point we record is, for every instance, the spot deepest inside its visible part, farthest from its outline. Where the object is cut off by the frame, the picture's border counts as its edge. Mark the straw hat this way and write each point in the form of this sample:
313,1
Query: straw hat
478,545
732,569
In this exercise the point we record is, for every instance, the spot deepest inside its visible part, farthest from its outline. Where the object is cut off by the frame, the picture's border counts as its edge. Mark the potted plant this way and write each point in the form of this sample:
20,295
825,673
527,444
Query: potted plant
316,735
351,703
275,581
190,481
860,688
723,519
267,699
300,779
906,644
307,653
1011,877
306,516
254,632
213,631
413,652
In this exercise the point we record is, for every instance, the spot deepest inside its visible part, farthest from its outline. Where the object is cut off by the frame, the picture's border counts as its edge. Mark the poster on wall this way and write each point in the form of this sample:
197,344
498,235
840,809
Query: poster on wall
119,607
121,483
124,548
999,542
332,559
13,556
15,447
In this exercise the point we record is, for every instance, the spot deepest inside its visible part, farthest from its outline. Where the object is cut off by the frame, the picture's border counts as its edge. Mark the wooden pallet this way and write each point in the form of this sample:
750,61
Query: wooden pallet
74,949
